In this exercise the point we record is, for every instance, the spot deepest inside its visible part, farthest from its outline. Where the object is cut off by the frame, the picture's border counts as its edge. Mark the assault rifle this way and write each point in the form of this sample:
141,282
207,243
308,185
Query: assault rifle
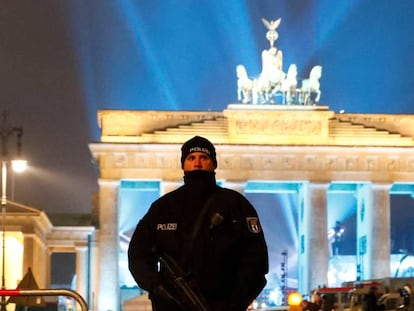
192,301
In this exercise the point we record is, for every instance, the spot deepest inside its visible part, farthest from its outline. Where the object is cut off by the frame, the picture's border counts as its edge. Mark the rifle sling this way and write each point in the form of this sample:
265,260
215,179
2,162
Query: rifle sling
199,221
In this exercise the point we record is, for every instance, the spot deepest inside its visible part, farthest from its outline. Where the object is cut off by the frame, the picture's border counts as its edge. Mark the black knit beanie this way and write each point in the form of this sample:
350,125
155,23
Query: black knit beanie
198,144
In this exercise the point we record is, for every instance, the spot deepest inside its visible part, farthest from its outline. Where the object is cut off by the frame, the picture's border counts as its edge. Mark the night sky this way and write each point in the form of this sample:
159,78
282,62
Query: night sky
62,61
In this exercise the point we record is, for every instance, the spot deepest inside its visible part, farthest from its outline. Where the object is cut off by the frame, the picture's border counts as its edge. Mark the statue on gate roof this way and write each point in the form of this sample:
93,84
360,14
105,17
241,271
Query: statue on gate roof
273,85
272,35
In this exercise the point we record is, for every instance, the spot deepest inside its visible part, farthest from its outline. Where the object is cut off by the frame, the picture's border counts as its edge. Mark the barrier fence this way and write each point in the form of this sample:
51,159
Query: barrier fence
46,292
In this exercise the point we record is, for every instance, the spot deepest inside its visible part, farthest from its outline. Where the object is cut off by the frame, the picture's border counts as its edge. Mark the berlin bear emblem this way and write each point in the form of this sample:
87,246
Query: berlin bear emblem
253,224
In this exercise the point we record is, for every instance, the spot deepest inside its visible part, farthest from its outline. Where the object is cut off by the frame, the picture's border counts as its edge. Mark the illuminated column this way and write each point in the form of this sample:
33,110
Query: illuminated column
381,246
48,265
374,242
40,268
28,251
313,253
13,258
109,293
81,271
92,299
37,257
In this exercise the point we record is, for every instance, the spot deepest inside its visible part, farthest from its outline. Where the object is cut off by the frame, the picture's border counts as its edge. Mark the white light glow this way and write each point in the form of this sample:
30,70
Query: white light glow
19,166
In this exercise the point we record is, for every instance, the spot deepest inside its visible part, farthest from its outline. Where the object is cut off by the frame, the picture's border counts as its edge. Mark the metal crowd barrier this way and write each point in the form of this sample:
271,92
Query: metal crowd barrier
46,292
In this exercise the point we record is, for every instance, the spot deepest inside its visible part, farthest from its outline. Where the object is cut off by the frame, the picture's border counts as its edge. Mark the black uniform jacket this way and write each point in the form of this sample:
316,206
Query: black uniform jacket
223,250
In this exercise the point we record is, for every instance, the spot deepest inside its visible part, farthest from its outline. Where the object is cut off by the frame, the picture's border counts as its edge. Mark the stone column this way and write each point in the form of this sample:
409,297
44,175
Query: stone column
380,249
37,257
313,250
81,271
28,251
109,293
41,263
374,241
48,267
94,271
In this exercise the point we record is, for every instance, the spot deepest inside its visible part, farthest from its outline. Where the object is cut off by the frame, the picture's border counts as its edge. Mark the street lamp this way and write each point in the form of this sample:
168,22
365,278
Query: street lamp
18,165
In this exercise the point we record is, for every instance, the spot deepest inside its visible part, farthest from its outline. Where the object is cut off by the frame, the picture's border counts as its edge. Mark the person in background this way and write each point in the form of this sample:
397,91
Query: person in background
317,299
371,300
328,303
213,234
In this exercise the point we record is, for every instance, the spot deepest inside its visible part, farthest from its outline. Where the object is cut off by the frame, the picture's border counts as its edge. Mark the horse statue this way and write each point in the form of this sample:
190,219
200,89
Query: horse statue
310,90
244,85
289,85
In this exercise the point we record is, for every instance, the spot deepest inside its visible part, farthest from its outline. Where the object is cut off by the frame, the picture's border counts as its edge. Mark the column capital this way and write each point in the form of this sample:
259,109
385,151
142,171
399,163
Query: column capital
381,186
319,184
109,182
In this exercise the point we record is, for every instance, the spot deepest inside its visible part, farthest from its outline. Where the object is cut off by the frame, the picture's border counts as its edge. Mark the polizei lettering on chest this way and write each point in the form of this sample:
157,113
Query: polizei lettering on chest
172,226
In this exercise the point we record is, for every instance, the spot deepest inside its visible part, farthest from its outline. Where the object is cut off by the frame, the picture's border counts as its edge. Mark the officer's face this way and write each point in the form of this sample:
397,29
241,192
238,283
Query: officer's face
198,161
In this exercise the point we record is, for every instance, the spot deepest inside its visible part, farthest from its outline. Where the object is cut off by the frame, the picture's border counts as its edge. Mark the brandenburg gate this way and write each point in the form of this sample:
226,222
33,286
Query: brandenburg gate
310,145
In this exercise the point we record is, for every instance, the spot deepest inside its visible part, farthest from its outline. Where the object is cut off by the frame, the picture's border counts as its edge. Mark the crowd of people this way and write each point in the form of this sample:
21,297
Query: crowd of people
370,301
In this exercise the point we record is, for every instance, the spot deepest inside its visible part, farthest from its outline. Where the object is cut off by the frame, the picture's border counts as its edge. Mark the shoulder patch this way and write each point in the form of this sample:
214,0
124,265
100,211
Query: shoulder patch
253,224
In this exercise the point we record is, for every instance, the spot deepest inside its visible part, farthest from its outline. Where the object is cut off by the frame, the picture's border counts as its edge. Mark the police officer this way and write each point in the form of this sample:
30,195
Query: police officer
211,233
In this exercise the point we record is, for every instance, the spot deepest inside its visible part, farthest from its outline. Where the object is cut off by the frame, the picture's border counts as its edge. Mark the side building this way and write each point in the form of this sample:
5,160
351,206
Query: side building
30,239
